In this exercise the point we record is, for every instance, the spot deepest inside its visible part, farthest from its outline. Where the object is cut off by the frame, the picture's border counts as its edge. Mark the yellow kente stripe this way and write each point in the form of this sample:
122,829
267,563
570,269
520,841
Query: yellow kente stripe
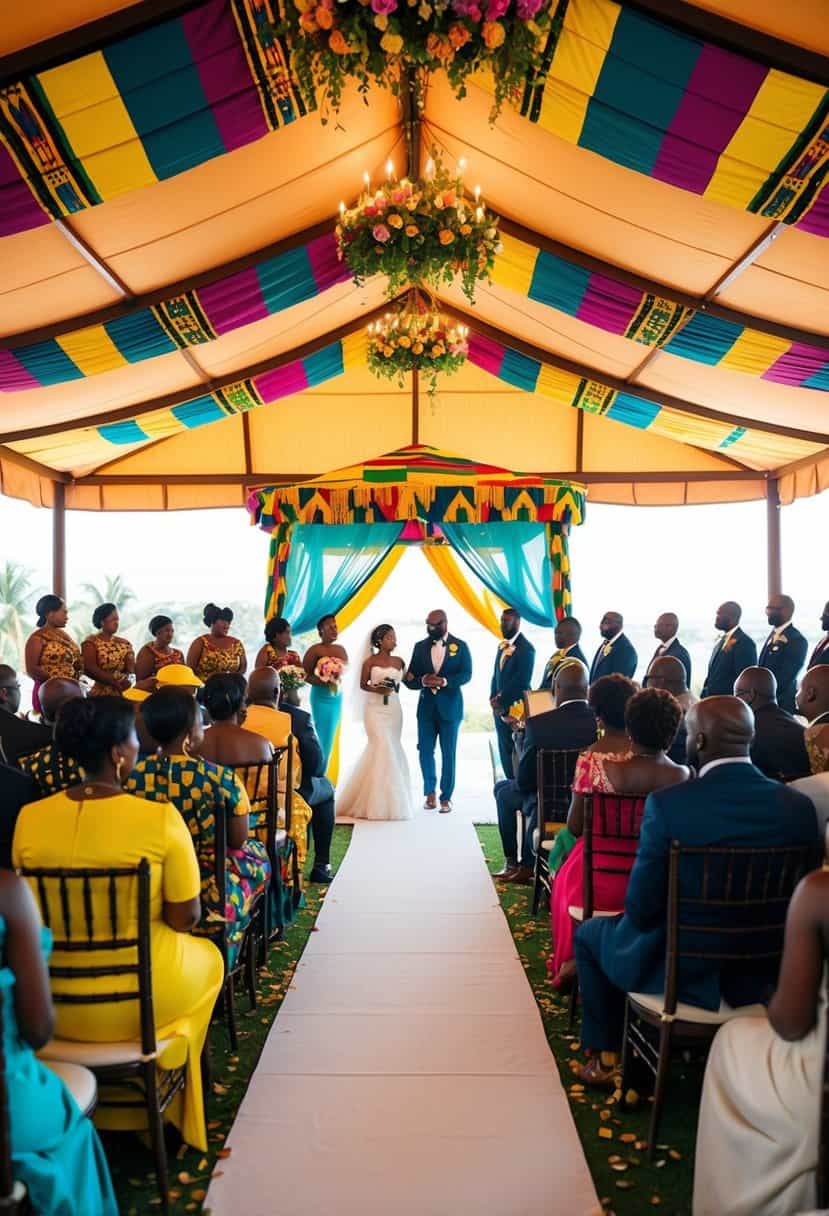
560,385
781,110
87,103
574,73
354,350
160,424
704,432
91,350
515,264
754,352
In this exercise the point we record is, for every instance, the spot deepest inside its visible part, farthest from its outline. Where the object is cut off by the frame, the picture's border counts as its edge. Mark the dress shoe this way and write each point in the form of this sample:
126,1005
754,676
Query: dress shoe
321,874
600,1074
431,802
509,867
445,806
520,875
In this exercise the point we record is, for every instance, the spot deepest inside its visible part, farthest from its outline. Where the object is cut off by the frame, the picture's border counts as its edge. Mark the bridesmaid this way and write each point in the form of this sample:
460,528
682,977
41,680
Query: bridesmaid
326,697
50,651
277,651
216,652
159,653
108,659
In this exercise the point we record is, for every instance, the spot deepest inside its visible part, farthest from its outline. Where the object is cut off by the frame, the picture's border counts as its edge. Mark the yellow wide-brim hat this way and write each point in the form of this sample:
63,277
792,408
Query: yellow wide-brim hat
136,694
177,675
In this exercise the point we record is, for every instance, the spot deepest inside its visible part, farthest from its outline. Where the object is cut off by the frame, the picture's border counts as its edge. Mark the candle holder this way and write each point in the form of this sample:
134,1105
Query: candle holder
414,337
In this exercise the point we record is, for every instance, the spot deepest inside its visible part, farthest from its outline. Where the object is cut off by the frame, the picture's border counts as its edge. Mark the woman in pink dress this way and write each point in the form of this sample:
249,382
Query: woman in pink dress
651,720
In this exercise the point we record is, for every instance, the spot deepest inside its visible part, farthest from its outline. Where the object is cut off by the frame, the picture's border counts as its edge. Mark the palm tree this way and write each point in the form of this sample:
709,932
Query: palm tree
16,593
115,590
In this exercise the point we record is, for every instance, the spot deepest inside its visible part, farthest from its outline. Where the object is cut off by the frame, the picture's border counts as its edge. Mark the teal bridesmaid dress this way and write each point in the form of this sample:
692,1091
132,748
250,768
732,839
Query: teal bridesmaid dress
326,708
55,1150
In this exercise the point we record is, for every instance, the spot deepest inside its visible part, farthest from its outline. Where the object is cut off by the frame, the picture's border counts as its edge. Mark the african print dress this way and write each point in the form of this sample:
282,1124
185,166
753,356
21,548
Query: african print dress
217,660
164,658
289,659
51,770
199,791
60,657
113,656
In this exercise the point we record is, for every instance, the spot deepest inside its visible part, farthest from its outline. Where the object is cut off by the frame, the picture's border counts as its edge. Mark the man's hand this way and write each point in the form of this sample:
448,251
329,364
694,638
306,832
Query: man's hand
495,701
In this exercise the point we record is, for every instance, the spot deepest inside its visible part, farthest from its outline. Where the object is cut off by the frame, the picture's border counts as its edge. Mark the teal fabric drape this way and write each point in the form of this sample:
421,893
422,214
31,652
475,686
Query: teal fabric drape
328,564
512,560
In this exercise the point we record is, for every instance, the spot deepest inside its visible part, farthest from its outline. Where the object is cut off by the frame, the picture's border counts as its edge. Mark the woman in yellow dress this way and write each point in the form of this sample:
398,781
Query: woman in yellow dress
159,652
108,659
216,652
94,825
50,652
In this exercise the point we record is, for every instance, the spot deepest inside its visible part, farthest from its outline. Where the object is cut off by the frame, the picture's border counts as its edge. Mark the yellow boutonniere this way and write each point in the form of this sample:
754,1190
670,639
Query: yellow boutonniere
517,711
606,649
453,648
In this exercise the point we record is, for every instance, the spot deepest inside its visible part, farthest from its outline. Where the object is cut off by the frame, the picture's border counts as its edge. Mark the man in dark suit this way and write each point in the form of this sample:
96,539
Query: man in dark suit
820,654
666,630
567,634
616,654
778,749
733,652
16,791
669,674
439,666
784,650
315,787
18,737
512,674
571,725
731,803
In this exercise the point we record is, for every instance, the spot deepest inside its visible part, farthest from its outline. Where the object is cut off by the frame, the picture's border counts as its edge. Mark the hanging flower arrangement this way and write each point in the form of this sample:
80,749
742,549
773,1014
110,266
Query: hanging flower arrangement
421,233
378,41
416,338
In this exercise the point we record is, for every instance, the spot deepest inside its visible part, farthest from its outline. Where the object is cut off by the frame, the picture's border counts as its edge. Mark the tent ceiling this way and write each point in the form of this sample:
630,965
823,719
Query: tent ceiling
721,429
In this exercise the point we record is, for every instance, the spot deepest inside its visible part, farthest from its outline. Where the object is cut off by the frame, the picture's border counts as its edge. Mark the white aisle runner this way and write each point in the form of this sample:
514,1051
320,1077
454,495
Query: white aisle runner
407,1072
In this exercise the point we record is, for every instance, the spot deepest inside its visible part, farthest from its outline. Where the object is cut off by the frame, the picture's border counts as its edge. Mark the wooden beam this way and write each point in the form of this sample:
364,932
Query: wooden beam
32,466
59,540
580,441
750,256
805,462
112,280
773,541
247,443
287,479
415,408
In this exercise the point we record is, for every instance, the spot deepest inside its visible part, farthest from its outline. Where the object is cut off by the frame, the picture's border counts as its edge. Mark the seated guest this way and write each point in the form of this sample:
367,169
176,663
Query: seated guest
668,674
225,741
570,726
277,651
820,654
666,630
651,721
757,1143
50,768
733,652
55,1151
108,659
216,652
96,825
784,650
199,791
314,787
18,737
567,634
731,803
16,790
616,655
50,651
813,704
778,749
158,653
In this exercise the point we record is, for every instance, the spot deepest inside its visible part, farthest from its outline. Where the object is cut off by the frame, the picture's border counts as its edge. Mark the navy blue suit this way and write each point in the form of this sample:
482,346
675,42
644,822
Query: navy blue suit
440,712
552,667
315,787
726,664
820,654
510,679
785,659
733,804
675,651
621,659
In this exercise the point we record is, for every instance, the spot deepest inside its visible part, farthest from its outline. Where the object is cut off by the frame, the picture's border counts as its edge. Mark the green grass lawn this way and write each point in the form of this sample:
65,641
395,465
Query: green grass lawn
131,1162
634,1186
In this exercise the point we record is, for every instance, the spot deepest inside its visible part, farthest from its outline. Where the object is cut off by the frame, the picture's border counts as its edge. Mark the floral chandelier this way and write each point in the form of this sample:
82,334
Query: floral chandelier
416,338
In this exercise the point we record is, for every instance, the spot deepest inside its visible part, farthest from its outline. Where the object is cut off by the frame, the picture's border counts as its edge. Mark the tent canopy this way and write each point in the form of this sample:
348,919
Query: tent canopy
175,327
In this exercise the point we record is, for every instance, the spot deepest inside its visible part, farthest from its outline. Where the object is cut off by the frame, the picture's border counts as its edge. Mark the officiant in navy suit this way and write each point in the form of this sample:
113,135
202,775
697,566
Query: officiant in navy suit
784,650
439,666
511,676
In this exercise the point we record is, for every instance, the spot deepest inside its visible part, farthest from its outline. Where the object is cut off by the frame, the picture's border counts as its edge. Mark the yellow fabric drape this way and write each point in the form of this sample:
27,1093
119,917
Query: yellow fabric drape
484,607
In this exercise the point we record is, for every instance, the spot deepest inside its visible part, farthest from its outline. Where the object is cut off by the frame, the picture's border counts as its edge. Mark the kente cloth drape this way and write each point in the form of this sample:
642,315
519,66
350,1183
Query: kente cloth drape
513,561
482,606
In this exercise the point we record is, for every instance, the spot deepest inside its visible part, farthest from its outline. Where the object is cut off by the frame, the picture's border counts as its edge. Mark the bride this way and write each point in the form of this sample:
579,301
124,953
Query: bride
379,786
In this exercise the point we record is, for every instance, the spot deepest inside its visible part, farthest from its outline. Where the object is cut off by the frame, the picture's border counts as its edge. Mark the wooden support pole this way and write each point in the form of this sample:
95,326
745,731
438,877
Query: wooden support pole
415,408
775,553
59,540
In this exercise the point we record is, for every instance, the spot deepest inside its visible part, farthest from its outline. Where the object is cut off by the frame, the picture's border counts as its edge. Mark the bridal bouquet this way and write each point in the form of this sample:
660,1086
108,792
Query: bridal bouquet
391,684
330,671
291,677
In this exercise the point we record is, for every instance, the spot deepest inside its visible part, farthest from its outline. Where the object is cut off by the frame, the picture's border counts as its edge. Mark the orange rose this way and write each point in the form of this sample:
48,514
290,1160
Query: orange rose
412,230
381,21
338,43
493,34
395,220
445,236
392,44
465,229
449,199
439,48
459,35
325,18
308,22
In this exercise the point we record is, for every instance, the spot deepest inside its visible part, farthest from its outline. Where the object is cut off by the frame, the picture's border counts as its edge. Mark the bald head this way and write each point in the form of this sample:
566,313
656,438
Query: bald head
570,682
813,694
57,692
611,624
719,728
728,616
666,627
263,687
757,686
779,610
667,673
9,689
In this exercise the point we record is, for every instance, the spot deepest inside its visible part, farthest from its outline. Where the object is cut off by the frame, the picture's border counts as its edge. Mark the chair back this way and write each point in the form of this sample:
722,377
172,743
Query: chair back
728,905
92,911
555,770
611,838
262,784
210,926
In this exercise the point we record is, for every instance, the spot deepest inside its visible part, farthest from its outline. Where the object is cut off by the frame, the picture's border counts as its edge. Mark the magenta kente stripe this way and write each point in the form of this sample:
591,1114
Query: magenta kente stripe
18,209
214,42
13,375
719,94
233,302
816,219
609,304
282,382
326,267
485,353
798,364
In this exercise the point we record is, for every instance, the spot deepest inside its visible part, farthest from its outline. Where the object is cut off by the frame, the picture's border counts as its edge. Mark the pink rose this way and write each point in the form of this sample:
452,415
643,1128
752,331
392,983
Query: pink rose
467,8
383,6
496,9
370,209
399,196
527,9
380,233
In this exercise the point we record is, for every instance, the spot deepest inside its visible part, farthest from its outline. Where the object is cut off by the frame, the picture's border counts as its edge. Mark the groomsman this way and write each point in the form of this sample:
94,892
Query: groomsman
616,654
666,630
784,650
567,634
733,652
512,674
820,654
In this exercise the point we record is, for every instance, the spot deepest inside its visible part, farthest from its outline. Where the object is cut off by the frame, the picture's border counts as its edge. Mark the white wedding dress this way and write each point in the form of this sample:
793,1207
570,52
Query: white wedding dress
379,786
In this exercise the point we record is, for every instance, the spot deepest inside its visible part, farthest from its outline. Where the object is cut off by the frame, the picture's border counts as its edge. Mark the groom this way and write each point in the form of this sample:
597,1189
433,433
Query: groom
440,664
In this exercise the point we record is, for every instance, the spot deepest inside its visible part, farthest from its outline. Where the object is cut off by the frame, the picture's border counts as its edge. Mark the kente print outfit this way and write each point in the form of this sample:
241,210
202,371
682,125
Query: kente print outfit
112,655
217,660
60,657
289,659
164,659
